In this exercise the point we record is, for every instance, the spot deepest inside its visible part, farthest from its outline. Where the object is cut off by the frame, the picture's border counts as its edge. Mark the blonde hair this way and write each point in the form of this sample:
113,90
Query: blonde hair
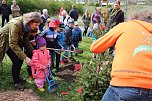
87,13
144,16
34,17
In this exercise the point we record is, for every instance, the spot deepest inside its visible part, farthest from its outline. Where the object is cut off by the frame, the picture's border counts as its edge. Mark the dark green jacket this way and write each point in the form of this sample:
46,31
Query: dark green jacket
13,36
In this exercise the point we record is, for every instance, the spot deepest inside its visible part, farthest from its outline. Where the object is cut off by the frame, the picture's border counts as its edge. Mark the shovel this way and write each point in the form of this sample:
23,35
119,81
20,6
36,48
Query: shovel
76,50
52,85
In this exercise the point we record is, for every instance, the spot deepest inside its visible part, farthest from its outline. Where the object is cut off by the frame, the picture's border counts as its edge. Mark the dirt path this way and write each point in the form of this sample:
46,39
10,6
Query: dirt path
16,95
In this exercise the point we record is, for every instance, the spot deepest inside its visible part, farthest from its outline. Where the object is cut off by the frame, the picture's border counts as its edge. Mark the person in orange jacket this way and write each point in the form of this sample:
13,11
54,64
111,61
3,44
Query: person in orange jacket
132,67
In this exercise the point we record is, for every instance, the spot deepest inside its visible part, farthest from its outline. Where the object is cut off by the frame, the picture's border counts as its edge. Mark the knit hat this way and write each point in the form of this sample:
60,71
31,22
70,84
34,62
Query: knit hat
71,21
61,25
40,41
52,24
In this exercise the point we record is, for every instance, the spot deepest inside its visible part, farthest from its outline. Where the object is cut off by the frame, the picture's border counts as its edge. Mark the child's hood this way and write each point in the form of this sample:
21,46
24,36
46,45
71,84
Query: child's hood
37,51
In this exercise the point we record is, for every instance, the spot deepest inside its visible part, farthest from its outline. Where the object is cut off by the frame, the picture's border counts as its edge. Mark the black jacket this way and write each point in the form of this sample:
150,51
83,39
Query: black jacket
74,14
115,18
5,10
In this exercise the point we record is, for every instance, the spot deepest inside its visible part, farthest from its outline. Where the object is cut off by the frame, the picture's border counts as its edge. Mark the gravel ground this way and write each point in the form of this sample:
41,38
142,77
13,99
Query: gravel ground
16,95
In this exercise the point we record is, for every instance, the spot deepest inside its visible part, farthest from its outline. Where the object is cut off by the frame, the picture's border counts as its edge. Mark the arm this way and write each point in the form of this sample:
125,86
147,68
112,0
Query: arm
18,8
14,34
122,17
27,43
77,14
48,57
107,40
10,12
70,13
83,17
80,36
12,8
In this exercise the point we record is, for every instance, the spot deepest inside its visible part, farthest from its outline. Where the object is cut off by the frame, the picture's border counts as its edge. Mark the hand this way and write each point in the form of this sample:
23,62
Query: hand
62,50
34,43
28,61
43,67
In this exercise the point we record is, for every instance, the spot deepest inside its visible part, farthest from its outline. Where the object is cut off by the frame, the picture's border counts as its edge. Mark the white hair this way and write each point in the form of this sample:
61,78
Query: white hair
45,11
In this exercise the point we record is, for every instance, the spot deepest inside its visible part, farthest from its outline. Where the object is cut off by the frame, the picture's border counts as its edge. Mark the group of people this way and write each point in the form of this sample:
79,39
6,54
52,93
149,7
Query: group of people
6,11
39,41
64,16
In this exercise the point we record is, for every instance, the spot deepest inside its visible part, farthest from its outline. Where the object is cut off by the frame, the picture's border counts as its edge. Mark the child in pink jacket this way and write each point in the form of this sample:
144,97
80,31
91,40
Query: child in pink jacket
40,61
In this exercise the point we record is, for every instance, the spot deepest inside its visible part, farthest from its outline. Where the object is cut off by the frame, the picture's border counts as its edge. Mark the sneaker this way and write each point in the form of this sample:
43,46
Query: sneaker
41,89
19,86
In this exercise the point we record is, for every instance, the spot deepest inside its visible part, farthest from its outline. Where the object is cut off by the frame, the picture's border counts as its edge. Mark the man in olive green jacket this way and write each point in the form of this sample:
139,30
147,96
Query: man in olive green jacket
13,37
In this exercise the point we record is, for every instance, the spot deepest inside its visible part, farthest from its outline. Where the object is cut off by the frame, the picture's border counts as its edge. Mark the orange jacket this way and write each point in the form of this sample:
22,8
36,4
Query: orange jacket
132,64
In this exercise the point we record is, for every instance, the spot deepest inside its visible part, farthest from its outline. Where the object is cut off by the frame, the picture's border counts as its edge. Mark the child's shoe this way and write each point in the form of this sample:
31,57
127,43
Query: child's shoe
41,89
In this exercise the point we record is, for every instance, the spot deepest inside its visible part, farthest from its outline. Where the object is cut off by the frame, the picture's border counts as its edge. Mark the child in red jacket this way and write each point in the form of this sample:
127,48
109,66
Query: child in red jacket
40,60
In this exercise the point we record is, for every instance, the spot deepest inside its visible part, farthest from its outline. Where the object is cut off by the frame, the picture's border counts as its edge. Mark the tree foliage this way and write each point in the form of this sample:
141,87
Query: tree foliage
52,6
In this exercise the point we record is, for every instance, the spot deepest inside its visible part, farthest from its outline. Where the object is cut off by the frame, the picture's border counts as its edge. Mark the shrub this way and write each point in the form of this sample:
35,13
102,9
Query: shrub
51,5
93,81
148,2
97,4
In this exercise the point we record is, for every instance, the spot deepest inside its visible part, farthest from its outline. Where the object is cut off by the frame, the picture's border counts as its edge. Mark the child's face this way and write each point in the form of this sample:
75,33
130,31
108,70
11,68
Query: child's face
71,25
76,26
43,48
59,30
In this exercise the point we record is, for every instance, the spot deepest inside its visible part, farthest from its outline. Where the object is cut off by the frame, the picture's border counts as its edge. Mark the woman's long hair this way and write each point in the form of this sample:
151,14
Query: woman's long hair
34,17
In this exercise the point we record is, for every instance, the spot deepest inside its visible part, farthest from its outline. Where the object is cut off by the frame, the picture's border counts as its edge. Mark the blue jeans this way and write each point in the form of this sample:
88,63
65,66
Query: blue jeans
89,33
127,94
54,56
75,45
66,47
